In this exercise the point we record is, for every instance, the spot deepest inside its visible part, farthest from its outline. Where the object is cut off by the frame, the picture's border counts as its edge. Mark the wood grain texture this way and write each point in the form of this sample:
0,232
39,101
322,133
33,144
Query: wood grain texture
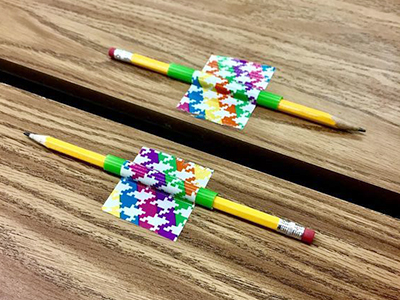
56,243
341,56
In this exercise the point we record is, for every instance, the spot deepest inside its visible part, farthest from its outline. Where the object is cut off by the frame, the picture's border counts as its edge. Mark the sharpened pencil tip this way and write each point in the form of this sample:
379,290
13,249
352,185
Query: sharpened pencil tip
27,133
362,129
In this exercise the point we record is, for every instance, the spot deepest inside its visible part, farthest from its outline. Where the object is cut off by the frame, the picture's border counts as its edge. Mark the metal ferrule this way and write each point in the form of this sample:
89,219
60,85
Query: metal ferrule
291,229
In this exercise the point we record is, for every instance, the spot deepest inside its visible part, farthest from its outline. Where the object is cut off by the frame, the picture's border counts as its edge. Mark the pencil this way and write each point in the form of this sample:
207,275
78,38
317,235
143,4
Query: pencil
265,98
201,196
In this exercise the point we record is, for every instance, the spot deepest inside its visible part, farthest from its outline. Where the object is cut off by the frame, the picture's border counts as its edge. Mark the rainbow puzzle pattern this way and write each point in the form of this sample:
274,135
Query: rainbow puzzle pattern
156,192
225,91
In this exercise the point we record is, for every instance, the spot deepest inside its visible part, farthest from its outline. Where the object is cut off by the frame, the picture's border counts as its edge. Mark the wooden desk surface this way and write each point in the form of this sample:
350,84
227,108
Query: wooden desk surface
56,243
340,56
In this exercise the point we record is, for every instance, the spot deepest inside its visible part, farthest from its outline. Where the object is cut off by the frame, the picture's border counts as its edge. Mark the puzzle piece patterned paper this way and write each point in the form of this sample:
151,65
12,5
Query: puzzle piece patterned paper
214,92
152,208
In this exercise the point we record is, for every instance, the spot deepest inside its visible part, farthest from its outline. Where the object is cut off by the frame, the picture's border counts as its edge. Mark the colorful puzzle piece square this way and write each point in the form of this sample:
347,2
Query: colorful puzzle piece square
225,91
151,208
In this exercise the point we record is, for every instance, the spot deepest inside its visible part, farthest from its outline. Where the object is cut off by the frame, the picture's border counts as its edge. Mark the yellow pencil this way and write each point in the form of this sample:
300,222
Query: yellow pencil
203,197
265,98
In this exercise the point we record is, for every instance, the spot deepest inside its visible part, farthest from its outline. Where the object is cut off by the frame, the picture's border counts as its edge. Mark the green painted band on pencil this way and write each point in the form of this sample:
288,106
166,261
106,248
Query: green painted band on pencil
180,72
205,197
113,164
264,98
268,99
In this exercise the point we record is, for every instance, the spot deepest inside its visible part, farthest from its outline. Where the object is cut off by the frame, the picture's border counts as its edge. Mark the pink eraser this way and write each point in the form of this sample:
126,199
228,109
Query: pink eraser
308,236
111,52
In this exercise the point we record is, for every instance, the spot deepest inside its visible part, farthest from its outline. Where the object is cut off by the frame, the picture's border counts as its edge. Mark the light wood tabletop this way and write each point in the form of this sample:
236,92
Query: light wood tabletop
57,243
340,56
